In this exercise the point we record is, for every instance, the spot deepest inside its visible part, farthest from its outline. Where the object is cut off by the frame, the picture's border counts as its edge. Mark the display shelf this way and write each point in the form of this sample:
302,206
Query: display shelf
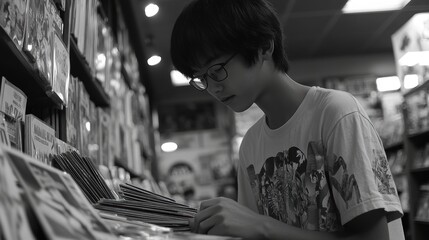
421,221
81,69
19,70
423,86
423,170
126,76
421,135
394,146
133,174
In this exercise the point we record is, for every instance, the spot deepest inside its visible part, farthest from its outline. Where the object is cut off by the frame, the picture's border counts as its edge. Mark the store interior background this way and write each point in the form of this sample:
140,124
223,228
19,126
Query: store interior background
322,43
325,47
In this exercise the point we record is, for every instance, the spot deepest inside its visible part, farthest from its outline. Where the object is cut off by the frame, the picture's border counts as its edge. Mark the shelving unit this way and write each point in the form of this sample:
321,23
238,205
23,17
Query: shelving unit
17,68
80,69
414,142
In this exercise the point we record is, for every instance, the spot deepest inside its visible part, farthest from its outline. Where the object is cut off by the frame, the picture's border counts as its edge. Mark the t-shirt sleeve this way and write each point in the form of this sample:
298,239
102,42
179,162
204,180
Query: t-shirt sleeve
359,174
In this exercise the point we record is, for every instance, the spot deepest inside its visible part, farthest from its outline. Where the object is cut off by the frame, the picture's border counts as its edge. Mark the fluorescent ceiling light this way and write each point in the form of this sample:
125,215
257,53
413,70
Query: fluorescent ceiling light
151,10
169,147
178,79
154,60
385,84
359,6
415,58
411,81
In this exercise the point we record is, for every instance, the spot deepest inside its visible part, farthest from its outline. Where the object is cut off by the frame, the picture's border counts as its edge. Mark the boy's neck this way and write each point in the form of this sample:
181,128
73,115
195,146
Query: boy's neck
281,99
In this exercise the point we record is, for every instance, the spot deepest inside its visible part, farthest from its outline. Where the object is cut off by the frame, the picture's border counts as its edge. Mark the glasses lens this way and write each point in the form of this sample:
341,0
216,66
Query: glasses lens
198,83
217,73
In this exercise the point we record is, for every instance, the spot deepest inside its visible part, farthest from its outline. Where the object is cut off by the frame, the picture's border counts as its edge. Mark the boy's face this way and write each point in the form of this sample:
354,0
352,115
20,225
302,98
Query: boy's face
242,86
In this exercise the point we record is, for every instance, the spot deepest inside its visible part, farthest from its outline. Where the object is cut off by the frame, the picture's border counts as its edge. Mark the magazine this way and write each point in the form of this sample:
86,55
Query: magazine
58,203
12,19
14,221
39,139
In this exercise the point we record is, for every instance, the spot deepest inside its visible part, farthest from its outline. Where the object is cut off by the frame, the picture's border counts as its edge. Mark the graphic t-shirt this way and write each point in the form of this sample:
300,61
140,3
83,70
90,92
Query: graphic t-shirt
325,166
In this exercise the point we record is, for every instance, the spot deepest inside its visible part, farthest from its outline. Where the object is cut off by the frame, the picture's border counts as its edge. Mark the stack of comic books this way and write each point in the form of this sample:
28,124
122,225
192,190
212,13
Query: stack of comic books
56,201
86,175
142,205
13,103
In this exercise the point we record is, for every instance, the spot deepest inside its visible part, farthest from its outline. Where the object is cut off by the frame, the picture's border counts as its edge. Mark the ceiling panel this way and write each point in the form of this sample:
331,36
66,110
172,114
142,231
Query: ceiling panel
315,6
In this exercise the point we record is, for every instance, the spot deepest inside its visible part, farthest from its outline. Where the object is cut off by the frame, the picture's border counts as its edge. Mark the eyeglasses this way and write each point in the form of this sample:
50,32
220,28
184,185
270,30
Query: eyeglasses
217,72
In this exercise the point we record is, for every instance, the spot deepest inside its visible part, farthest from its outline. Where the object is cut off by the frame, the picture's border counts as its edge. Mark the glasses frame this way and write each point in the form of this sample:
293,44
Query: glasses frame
203,77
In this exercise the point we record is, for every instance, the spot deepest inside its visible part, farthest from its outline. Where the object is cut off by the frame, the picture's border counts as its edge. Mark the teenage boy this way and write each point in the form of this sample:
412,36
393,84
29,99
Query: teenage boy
313,167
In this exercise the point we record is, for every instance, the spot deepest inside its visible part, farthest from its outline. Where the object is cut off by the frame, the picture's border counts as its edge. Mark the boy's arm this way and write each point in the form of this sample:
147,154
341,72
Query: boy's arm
221,216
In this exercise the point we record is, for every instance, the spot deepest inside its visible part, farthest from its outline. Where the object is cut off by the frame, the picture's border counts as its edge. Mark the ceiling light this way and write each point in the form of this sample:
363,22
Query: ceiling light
178,79
411,81
413,58
169,147
154,60
359,6
151,10
385,84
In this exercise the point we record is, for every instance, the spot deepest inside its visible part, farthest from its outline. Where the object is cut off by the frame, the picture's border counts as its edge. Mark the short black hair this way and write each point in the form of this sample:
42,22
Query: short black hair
206,29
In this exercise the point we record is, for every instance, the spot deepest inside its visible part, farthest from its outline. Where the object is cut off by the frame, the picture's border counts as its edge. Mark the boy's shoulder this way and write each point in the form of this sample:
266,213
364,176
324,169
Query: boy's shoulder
335,102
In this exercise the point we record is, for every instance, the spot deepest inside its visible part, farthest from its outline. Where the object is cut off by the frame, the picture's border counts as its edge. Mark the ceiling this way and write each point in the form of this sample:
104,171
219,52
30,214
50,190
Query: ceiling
313,29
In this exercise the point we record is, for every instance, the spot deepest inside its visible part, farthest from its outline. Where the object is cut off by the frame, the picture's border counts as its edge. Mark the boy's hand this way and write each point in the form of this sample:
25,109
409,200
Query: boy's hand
223,216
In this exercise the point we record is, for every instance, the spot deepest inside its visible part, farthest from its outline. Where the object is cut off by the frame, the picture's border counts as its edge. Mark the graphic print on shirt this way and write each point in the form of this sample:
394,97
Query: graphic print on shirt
382,174
293,188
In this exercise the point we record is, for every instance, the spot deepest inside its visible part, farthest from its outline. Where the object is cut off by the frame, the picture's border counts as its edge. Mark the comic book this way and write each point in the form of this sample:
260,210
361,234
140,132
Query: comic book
58,203
61,69
44,40
14,221
39,139
72,123
93,144
12,19
4,136
33,30
13,100
84,123
103,133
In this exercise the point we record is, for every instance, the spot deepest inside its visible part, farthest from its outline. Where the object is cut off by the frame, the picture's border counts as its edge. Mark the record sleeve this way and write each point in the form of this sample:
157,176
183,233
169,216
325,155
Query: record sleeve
13,100
57,201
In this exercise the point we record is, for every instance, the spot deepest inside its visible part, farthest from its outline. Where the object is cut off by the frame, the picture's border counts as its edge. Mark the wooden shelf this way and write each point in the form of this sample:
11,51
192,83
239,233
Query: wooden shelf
421,135
81,70
394,146
418,88
18,69
133,174
420,170
421,221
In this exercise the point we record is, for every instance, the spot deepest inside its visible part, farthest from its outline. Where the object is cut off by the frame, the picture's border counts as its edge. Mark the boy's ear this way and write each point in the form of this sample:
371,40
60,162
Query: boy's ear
267,50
